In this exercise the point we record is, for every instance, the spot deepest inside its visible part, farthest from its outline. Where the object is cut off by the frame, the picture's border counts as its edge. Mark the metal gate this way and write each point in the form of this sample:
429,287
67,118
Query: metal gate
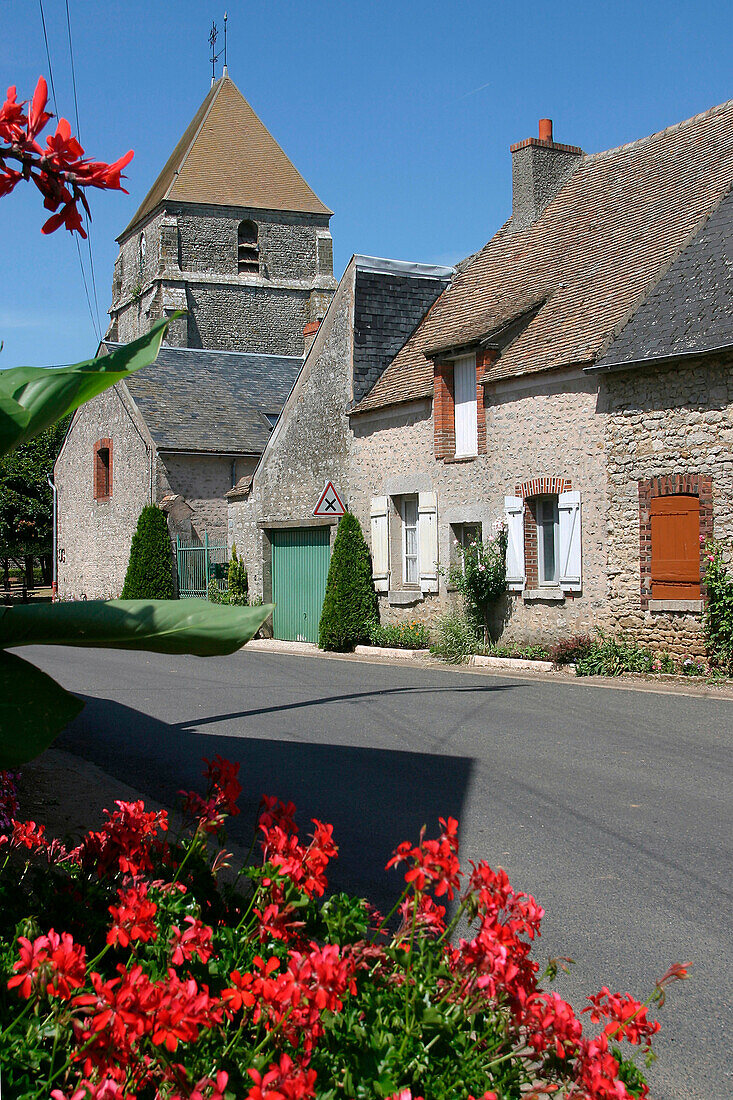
300,560
198,564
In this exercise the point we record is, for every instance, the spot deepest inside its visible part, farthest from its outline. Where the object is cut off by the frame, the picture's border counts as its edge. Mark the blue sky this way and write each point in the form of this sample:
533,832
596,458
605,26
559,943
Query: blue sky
399,115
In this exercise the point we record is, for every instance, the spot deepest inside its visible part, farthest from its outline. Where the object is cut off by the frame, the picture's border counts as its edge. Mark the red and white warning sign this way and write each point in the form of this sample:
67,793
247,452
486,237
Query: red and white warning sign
330,503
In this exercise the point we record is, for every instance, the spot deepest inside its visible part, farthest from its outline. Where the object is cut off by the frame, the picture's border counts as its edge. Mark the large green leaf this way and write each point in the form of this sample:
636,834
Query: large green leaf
31,398
162,626
33,710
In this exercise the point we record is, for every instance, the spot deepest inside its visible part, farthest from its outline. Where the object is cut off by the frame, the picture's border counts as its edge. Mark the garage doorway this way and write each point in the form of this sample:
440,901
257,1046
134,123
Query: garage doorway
300,560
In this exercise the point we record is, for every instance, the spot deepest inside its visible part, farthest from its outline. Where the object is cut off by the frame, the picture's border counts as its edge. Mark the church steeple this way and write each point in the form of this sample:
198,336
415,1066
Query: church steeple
231,232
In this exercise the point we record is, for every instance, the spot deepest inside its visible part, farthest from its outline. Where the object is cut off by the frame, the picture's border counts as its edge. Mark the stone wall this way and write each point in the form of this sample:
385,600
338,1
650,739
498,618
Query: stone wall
534,428
661,422
310,444
94,536
202,481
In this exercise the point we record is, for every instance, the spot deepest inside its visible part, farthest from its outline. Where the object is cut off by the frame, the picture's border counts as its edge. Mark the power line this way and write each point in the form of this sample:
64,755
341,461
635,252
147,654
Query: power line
95,323
78,130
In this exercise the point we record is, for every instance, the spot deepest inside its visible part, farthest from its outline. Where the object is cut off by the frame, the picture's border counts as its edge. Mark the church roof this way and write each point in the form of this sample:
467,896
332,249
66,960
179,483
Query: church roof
228,157
212,402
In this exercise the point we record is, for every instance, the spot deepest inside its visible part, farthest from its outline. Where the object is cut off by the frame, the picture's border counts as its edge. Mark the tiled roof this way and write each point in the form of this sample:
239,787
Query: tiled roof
597,249
228,157
215,402
690,309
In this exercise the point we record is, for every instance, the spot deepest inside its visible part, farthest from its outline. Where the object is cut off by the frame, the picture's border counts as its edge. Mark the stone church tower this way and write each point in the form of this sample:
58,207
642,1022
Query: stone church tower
231,232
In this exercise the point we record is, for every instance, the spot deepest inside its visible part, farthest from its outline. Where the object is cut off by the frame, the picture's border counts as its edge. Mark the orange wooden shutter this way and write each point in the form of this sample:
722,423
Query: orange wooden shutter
675,547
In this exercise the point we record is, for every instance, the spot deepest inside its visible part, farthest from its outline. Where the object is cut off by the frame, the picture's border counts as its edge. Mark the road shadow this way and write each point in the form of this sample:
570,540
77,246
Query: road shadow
373,797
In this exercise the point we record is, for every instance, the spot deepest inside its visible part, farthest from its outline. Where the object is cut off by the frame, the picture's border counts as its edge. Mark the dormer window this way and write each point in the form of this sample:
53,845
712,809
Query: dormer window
248,251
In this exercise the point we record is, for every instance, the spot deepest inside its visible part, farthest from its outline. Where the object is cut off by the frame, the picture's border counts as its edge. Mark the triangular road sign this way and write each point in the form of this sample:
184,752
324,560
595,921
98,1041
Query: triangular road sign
330,503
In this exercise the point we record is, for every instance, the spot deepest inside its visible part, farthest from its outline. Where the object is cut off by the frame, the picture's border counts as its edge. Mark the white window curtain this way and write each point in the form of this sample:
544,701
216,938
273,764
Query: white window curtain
464,390
514,514
428,527
410,546
570,572
380,543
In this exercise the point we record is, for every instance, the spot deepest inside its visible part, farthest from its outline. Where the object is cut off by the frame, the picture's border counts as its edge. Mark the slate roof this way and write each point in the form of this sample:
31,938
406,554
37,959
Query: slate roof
228,157
613,230
690,310
214,402
391,299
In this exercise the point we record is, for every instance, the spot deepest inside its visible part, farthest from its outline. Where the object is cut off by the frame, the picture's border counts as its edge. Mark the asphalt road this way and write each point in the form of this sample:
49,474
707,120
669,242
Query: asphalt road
612,807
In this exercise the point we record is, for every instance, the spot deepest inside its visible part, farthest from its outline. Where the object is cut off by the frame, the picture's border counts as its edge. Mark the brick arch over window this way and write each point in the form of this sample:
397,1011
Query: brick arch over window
670,485
102,469
543,486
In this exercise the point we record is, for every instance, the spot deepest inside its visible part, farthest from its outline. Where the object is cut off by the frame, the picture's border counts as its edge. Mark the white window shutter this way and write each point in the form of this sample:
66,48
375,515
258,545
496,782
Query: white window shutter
464,389
514,512
380,543
427,513
568,505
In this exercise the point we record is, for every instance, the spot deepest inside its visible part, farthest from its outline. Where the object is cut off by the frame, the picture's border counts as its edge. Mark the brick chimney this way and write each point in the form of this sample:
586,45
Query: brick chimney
309,334
539,168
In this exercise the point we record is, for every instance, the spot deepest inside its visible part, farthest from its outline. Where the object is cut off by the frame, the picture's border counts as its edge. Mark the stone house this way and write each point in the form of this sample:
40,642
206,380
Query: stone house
231,233
572,377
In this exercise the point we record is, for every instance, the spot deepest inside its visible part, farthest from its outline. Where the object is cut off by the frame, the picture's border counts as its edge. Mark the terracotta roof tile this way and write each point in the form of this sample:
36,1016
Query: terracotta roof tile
228,157
613,230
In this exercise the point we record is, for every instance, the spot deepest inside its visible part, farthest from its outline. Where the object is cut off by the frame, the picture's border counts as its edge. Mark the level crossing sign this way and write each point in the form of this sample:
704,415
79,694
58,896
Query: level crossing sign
329,503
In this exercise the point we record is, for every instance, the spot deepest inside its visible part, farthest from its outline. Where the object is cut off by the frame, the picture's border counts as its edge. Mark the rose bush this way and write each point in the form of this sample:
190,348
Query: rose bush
130,969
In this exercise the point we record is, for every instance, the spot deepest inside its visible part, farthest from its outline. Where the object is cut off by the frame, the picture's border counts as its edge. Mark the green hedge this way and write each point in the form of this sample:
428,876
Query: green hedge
150,571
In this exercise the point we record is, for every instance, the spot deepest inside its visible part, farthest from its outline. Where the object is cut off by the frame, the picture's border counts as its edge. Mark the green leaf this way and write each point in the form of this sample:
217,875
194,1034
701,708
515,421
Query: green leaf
33,710
31,398
162,626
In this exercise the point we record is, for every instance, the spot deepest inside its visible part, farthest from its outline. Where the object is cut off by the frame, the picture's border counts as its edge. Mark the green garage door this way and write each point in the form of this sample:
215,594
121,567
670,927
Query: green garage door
300,557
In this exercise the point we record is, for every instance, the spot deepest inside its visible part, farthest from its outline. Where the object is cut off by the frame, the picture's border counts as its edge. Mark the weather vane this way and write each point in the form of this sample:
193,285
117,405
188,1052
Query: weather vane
214,55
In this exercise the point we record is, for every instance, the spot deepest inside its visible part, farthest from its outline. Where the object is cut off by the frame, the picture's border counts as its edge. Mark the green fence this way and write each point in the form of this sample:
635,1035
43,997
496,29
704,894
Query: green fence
198,564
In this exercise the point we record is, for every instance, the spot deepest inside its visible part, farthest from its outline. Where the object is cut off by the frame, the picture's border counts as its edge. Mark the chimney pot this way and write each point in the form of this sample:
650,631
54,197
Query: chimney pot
545,129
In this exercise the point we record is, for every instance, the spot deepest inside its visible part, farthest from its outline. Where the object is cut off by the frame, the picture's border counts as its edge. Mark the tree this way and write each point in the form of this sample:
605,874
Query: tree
237,582
150,570
26,505
350,603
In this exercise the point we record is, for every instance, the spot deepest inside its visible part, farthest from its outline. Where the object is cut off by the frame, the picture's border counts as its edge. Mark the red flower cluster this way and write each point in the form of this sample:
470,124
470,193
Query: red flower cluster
126,841
52,964
626,1017
221,799
60,171
133,917
434,862
283,1080
195,940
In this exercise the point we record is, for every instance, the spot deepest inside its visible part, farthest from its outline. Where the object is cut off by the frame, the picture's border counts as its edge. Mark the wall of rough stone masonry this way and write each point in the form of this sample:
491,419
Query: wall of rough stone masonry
309,446
202,481
94,536
534,428
253,318
677,420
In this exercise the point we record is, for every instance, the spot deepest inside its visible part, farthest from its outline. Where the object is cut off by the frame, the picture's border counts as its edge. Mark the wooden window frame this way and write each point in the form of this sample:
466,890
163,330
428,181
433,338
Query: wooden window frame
102,472
699,485
411,499
531,492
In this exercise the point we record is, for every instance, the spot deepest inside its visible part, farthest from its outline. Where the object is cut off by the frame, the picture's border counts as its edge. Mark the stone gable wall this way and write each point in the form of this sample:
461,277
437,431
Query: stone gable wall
661,422
202,481
310,445
94,536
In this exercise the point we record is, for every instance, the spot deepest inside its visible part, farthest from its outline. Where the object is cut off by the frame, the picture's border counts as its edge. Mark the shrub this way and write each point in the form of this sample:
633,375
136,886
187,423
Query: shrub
214,594
718,618
350,603
237,582
400,635
150,571
480,575
161,982
614,656
456,638
529,651
570,650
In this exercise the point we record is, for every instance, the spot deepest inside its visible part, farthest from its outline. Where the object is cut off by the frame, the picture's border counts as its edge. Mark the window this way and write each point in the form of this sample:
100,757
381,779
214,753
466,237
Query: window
548,529
142,251
248,252
410,562
463,534
675,524
103,469
464,383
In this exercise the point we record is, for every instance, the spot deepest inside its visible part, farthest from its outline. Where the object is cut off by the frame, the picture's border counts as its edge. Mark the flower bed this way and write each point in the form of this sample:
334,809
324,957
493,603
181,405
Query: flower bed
129,969
399,636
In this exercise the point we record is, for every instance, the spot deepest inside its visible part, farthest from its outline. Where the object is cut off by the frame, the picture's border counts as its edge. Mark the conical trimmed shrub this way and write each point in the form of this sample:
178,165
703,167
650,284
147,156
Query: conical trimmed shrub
350,603
150,571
